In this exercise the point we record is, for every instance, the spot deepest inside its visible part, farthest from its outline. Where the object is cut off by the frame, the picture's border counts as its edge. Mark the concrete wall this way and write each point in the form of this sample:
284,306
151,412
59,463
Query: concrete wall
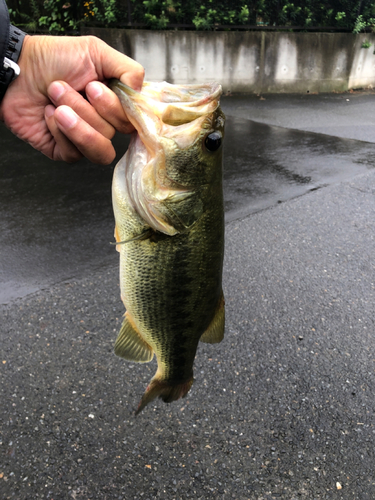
251,61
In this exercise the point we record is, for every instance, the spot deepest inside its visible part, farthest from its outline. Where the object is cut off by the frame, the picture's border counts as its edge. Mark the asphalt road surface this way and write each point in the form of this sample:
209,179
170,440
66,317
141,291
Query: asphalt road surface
283,408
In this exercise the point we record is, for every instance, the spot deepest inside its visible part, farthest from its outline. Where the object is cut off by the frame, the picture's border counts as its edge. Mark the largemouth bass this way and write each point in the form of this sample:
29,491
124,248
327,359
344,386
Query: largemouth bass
168,205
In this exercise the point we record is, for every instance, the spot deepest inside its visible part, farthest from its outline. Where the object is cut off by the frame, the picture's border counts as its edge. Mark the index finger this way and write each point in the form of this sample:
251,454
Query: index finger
109,107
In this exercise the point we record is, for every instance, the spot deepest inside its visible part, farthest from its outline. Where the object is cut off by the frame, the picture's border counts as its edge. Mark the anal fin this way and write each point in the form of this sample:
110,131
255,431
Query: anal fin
130,345
215,331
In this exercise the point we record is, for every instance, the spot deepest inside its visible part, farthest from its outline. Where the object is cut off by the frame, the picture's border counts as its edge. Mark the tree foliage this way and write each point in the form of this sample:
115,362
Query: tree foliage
63,15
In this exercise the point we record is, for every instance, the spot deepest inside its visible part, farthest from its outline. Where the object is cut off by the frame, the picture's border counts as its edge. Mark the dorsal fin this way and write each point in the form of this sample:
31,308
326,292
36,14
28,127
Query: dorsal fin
215,331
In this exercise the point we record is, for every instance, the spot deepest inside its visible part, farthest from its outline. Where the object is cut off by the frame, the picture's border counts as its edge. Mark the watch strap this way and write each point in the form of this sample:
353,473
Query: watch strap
9,69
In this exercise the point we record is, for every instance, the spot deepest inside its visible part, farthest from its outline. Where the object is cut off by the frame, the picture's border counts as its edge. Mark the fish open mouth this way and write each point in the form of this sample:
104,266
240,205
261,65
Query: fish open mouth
160,105
173,104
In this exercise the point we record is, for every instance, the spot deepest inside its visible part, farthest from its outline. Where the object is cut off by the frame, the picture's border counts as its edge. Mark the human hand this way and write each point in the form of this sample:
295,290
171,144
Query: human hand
58,70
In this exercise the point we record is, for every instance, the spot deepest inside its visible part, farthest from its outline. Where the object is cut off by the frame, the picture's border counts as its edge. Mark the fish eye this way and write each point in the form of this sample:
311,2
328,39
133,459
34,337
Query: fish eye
213,141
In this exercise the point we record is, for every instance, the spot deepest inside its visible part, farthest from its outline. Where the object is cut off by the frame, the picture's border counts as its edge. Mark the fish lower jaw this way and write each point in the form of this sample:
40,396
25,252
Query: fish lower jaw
165,390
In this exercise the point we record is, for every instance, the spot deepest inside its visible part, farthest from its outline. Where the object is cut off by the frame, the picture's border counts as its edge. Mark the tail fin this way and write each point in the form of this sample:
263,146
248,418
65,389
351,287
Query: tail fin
165,390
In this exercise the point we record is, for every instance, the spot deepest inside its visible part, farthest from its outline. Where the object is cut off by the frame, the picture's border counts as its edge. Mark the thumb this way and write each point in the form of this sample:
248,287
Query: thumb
111,63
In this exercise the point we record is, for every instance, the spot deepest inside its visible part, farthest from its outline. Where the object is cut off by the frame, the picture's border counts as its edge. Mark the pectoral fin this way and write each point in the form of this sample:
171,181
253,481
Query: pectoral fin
117,238
215,332
130,345
138,237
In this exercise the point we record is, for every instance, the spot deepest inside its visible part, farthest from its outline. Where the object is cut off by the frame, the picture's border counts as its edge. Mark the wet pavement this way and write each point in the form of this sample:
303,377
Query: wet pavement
283,407
57,219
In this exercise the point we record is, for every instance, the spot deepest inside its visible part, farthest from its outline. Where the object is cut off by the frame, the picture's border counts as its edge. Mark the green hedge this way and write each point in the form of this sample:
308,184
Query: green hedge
59,16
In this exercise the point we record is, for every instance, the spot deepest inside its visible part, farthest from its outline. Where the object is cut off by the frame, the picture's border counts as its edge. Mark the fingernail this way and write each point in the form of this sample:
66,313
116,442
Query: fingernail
66,116
94,90
56,90
49,111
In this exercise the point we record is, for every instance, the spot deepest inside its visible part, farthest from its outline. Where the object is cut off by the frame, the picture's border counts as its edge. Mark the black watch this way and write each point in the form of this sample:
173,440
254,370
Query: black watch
10,69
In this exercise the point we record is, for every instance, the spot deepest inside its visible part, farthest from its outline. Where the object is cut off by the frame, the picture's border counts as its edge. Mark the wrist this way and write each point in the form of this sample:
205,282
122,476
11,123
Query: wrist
9,68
